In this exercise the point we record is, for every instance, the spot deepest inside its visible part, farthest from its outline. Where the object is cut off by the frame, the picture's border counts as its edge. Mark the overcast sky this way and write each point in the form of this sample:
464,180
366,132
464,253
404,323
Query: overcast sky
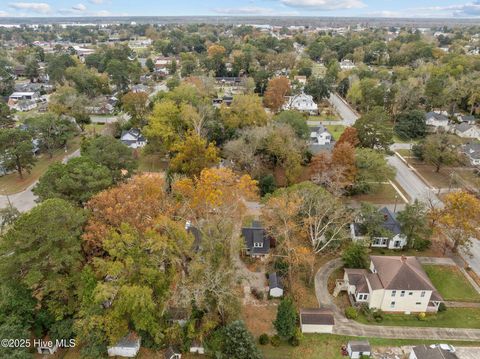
384,8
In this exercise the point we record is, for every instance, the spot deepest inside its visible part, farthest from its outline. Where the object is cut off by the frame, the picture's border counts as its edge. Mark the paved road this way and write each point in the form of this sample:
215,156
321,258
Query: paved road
411,183
25,200
344,326
347,114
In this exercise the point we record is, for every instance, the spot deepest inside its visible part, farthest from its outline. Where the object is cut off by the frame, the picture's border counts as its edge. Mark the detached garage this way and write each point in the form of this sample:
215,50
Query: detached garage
316,320
127,347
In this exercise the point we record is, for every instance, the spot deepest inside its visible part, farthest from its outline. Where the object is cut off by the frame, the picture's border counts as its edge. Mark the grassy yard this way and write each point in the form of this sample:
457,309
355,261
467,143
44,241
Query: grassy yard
404,152
151,163
451,283
335,130
383,194
452,318
315,346
12,183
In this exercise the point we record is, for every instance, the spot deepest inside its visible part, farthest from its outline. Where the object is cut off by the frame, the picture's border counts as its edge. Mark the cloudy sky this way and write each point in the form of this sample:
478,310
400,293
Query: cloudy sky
385,8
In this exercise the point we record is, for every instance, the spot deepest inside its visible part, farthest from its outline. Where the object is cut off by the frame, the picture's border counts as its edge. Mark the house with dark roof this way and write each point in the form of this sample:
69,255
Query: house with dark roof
430,352
257,241
472,151
466,130
392,284
392,238
436,121
316,320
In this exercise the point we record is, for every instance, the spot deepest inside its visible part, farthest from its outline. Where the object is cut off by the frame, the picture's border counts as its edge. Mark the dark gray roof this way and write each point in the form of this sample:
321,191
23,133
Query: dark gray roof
437,116
274,281
171,352
463,127
425,352
360,346
256,234
135,133
390,221
317,316
472,150
197,242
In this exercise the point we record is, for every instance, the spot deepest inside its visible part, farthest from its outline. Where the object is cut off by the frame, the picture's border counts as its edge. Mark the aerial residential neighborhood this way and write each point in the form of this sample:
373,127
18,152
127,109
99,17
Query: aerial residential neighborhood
281,179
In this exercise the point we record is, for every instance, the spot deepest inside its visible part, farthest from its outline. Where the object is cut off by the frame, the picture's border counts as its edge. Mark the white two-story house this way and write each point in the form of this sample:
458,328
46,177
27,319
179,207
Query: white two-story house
392,284
436,121
302,103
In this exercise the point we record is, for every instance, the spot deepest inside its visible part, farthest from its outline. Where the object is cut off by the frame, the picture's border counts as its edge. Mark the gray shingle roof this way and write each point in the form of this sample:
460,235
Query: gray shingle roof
390,221
274,281
317,316
360,346
256,234
425,352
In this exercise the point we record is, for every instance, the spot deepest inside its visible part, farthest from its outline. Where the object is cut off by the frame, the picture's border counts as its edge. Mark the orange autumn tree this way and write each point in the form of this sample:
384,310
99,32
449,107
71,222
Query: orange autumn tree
214,191
350,136
277,89
136,203
459,220
336,171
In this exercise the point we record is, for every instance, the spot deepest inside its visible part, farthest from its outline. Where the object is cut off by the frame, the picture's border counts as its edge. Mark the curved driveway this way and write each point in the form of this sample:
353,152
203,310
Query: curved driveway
25,200
349,327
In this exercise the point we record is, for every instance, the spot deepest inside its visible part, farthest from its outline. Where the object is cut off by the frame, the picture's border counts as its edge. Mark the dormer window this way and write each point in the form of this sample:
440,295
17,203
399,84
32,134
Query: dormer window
258,245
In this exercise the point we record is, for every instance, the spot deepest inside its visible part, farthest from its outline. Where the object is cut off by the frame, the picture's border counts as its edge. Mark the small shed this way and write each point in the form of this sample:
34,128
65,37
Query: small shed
48,347
128,347
358,348
316,320
275,287
197,348
173,353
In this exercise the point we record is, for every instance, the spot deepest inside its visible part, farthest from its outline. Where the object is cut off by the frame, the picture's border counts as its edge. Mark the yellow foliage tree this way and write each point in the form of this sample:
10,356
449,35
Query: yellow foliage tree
459,220
193,155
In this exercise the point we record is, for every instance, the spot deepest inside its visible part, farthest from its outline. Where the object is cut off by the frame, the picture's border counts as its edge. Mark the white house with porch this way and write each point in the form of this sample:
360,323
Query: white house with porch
392,284
394,239
302,103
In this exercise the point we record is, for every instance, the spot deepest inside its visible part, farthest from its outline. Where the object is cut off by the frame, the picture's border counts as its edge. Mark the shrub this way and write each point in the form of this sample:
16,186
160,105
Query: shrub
275,340
258,294
378,315
294,341
442,307
263,339
422,244
351,313
421,316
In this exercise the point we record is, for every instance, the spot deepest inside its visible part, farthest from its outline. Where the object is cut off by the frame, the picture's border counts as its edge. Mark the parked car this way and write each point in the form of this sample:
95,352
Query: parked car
446,347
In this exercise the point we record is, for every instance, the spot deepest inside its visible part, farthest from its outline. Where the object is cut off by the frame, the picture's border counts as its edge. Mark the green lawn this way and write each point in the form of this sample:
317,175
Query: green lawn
383,193
335,130
451,283
314,346
452,318
12,183
151,163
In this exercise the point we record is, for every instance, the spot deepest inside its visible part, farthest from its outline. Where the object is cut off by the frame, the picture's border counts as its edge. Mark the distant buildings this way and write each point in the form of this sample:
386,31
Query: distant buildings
346,64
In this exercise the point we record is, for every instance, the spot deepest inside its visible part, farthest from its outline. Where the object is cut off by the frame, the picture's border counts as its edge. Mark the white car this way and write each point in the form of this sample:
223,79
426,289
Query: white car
446,347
